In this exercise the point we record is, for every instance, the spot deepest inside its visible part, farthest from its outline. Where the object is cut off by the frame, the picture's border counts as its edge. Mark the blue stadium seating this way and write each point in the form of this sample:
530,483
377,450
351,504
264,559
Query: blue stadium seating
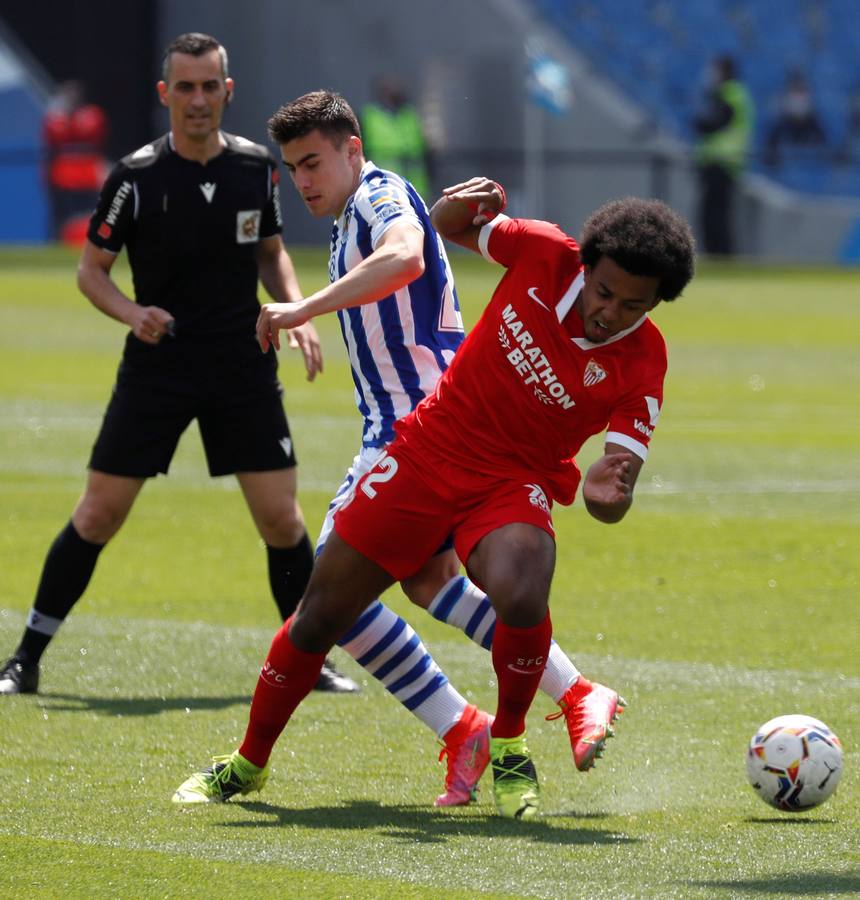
657,51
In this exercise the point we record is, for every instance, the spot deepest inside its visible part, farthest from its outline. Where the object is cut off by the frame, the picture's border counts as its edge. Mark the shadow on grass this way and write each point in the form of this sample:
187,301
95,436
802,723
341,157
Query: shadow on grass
787,820
573,814
818,884
136,706
423,824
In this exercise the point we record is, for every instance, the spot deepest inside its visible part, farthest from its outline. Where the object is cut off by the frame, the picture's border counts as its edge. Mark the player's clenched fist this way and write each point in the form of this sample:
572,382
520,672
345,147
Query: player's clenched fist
608,487
485,198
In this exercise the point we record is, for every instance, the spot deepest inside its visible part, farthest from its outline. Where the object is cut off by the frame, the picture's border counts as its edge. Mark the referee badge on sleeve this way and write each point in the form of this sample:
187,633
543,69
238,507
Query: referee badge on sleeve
248,226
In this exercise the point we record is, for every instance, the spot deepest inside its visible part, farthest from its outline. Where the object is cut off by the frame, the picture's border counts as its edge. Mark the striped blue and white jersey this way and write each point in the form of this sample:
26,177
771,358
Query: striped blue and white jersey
399,346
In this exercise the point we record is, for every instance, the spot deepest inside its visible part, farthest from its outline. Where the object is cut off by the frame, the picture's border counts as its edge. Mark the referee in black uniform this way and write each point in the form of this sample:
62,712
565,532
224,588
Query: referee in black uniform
198,212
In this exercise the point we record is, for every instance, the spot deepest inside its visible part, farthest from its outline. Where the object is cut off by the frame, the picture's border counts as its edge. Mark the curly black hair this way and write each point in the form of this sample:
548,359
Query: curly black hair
644,237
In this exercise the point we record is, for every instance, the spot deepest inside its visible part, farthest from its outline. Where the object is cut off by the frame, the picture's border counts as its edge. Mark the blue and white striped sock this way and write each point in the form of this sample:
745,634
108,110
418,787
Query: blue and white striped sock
461,604
465,606
387,647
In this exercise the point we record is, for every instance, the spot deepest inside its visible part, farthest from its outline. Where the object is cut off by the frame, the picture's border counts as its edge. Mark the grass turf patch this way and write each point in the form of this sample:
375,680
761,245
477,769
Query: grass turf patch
727,596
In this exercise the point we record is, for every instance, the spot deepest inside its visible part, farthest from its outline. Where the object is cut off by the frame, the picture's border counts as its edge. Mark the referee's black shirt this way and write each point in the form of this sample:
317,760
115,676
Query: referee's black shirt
191,232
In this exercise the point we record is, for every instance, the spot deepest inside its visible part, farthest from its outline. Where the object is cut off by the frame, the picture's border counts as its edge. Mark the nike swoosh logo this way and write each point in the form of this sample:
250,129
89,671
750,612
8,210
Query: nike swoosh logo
513,668
532,292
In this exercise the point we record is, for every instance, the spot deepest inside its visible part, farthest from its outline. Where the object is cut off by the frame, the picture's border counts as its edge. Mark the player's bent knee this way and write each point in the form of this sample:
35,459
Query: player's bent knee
420,594
517,576
422,588
522,609
282,528
518,584
97,523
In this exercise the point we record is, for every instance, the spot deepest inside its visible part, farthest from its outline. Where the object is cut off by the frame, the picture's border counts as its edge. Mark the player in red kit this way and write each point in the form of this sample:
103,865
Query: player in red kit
563,351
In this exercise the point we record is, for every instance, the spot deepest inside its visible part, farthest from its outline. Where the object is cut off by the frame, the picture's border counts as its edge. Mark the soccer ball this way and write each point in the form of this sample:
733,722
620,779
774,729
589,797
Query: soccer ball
794,762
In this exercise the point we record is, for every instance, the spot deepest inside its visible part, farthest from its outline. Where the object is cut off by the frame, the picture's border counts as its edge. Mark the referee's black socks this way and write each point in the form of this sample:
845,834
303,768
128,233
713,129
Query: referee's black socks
289,573
67,571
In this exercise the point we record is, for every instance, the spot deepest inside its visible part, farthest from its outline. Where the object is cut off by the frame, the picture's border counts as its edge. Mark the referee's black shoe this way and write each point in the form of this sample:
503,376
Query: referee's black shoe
19,677
333,682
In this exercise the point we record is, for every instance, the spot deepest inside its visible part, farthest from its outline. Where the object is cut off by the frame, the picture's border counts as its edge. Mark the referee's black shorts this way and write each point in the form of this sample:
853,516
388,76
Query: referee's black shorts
236,399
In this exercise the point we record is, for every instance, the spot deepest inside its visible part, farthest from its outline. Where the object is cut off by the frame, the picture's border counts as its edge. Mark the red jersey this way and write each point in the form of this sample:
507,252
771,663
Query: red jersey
527,389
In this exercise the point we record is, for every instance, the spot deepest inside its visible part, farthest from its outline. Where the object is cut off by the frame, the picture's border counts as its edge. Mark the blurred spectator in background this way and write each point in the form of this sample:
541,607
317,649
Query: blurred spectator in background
75,133
796,122
849,150
724,127
393,134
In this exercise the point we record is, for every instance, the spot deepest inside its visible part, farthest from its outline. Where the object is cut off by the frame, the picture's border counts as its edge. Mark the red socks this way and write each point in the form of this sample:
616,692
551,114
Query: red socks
289,674
287,677
519,658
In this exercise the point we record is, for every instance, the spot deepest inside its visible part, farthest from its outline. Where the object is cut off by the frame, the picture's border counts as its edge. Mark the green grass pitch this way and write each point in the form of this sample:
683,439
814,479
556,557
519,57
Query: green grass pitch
729,595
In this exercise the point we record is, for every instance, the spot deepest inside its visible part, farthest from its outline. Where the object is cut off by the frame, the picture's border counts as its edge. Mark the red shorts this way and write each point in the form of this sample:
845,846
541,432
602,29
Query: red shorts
400,514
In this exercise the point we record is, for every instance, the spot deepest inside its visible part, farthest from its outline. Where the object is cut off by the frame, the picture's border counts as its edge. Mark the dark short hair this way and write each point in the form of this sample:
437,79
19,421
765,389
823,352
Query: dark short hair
194,44
323,110
644,237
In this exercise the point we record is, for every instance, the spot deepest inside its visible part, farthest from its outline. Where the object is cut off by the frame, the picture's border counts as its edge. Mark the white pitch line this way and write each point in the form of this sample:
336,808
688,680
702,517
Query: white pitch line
155,634
73,479
783,486
199,480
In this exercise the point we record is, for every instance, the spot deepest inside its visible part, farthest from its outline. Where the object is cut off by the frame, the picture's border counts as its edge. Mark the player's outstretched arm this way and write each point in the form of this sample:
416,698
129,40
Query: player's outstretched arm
609,482
149,323
463,209
397,260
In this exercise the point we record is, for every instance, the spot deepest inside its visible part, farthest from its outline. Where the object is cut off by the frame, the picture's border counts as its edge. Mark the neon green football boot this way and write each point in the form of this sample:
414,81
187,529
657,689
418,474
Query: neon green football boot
515,783
228,775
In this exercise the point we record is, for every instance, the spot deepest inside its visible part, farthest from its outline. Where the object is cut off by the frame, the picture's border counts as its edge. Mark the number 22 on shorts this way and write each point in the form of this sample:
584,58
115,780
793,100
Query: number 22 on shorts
388,469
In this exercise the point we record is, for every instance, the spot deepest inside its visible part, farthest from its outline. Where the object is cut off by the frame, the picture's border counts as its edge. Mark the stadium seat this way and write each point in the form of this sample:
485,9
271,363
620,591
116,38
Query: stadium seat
654,52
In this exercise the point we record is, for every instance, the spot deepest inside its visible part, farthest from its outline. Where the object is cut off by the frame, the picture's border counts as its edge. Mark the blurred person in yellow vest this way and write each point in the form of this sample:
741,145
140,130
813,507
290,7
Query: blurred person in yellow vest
393,134
724,127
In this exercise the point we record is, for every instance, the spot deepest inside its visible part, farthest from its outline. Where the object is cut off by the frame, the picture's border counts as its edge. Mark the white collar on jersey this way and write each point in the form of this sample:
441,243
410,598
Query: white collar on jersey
341,222
564,306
